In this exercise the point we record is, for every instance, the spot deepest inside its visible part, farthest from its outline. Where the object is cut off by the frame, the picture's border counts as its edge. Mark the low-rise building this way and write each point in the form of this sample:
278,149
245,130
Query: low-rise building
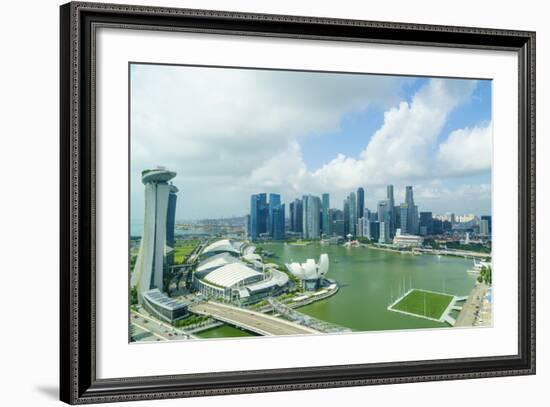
232,272
405,240
163,307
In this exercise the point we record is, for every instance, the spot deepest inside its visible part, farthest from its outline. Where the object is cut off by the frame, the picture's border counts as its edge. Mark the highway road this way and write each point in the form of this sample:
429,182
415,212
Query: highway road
157,330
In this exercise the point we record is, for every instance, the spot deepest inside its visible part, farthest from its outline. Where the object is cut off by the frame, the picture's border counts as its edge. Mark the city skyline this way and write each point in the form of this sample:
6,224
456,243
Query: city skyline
313,217
288,203
344,131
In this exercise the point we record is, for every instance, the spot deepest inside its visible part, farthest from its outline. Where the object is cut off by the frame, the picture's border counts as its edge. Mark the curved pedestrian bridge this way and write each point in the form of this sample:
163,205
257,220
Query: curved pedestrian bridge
253,321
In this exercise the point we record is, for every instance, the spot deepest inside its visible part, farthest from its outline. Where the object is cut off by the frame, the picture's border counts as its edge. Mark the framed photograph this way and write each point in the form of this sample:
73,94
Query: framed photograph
256,203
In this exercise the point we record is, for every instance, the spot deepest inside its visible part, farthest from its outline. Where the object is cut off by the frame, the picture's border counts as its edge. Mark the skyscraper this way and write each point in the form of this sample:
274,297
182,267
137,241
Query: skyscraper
384,221
299,216
292,216
296,216
397,215
391,208
263,214
411,213
426,223
383,211
337,222
437,226
277,221
488,218
404,217
247,226
366,214
346,216
414,220
360,202
253,227
274,202
352,199
373,232
170,224
326,223
160,207
409,198
276,217
484,227
359,229
384,233
258,216
311,217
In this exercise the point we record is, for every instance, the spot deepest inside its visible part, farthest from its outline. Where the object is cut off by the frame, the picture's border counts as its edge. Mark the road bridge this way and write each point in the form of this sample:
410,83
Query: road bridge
262,324
305,320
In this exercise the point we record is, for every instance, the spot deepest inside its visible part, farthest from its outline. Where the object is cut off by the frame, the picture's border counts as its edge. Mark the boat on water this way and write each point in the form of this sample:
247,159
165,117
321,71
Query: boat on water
478,265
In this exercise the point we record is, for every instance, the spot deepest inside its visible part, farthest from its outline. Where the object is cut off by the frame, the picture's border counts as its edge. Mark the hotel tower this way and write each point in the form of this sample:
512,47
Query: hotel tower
158,230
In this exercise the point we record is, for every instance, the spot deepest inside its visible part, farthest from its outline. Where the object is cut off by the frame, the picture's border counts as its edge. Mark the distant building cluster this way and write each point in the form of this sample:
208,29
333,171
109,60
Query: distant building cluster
266,218
311,217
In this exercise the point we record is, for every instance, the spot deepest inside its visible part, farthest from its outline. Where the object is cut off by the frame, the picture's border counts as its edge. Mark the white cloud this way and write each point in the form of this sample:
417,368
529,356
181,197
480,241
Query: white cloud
185,114
229,133
466,151
211,124
400,148
284,171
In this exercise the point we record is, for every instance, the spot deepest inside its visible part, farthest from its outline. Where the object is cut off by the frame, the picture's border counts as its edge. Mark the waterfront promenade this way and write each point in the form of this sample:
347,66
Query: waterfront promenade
472,306
435,252
453,252
253,321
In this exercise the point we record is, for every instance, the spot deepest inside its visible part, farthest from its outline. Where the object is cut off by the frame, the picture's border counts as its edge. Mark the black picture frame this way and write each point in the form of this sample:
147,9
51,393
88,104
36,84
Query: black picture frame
78,382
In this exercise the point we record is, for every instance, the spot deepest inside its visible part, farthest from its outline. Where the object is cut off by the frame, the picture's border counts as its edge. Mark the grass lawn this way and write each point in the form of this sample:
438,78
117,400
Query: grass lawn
423,303
184,248
472,247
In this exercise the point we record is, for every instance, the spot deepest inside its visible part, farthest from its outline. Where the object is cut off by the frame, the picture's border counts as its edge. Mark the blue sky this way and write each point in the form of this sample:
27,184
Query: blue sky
232,132
356,128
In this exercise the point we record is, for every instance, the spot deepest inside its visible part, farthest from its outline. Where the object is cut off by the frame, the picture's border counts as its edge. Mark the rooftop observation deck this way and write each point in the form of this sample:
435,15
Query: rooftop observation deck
157,175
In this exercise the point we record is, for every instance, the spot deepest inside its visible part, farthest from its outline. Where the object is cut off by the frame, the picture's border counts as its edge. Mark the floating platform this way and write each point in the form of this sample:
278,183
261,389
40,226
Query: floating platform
430,305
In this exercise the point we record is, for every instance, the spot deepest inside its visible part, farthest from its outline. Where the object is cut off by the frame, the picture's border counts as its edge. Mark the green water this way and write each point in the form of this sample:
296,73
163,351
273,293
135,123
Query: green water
371,279
224,331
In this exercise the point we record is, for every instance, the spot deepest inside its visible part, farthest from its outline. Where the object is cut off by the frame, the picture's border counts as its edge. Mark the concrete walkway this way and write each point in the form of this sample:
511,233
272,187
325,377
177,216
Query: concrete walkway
467,316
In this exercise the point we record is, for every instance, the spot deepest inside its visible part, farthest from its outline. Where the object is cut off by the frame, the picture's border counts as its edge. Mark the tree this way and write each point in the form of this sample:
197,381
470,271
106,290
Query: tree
133,295
485,275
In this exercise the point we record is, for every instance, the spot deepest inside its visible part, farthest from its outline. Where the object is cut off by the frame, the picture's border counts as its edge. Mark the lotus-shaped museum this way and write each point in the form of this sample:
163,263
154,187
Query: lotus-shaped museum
310,272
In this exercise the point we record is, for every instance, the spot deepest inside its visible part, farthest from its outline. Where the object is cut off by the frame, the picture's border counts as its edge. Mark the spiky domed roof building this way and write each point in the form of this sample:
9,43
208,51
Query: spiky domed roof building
230,269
